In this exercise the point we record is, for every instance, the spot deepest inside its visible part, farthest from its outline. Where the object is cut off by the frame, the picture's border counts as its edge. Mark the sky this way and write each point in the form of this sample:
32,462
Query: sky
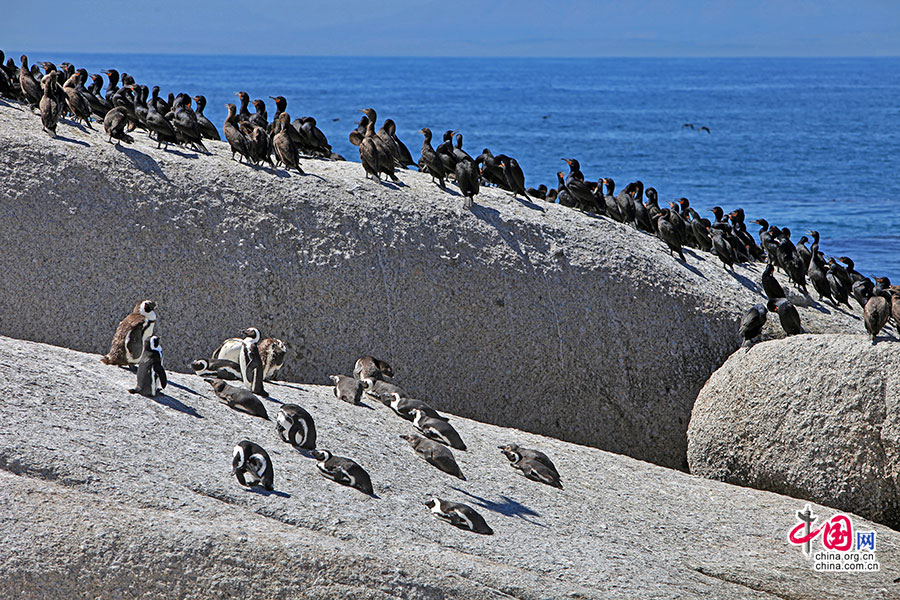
562,28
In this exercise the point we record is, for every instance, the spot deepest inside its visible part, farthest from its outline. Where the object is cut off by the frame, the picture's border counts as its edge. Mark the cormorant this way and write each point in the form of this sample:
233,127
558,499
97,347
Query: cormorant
876,314
114,123
236,139
260,118
839,282
403,152
243,113
752,324
540,192
31,89
563,196
721,248
467,179
185,122
78,105
48,104
787,314
284,147
430,162
386,157
368,150
445,152
668,233
489,167
515,178
770,285
207,129
112,86
612,207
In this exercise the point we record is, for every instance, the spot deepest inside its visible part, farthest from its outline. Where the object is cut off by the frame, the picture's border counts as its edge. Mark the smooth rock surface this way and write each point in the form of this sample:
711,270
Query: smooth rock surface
112,495
814,417
517,313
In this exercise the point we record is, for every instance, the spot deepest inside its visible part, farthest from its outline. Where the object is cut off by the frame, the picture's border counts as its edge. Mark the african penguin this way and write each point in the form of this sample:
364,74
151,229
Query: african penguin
537,455
377,387
217,368
230,349
346,388
252,466
458,515
296,427
272,351
434,454
251,362
436,429
533,469
343,470
369,366
131,334
404,406
151,376
238,398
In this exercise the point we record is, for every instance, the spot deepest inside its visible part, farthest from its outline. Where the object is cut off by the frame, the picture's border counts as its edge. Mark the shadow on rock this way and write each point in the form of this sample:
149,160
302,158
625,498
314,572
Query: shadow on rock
71,141
176,404
508,507
186,389
144,162
262,492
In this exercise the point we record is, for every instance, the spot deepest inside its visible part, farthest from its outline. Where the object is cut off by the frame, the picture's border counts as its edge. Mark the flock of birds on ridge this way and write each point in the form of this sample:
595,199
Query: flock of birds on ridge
61,91
249,361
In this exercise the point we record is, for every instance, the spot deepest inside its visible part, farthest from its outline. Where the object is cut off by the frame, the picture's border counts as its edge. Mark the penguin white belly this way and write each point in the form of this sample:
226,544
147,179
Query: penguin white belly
230,350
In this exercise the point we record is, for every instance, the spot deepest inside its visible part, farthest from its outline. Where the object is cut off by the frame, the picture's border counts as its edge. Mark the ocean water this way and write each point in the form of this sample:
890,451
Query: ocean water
803,143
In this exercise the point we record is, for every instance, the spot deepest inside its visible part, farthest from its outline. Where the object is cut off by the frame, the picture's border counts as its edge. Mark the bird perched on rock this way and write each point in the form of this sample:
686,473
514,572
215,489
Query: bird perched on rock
458,515
295,426
510,450
876,313
770,285
371,367
151,377
437,429
787,314
377,388
131,334
347,389
751,324
532,468
404,406
251,465
344,471
114,123
238,398
434,454
217,368
272,351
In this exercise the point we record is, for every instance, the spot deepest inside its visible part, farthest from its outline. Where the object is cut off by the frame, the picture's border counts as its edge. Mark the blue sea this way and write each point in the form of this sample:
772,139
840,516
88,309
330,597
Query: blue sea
803,143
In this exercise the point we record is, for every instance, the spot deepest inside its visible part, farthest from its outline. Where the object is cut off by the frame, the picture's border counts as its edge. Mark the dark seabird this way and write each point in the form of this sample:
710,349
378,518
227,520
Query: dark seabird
48,104
770,285
402,151
435,454
244,112
668,233
31,89
515,178
563,195
430,162
752,324
285,149
207,129
839,282
540,192
467,179
876,313
722,249
386,155
787,314
368,151
236,139
114,123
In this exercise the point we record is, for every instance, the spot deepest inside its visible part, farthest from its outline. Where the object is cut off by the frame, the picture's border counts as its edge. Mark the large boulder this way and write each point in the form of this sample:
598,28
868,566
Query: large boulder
518,313
104,494
811,416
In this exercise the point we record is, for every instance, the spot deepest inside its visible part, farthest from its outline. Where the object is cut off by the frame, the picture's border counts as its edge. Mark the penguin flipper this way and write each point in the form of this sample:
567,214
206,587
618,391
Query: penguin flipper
161,374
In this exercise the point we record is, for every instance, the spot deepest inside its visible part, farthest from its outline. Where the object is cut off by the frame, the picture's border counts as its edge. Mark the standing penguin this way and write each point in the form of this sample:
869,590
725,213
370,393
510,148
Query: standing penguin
344,471
272,351
251,465
296,427
346,388
458,515
131,334
151,377
251,362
